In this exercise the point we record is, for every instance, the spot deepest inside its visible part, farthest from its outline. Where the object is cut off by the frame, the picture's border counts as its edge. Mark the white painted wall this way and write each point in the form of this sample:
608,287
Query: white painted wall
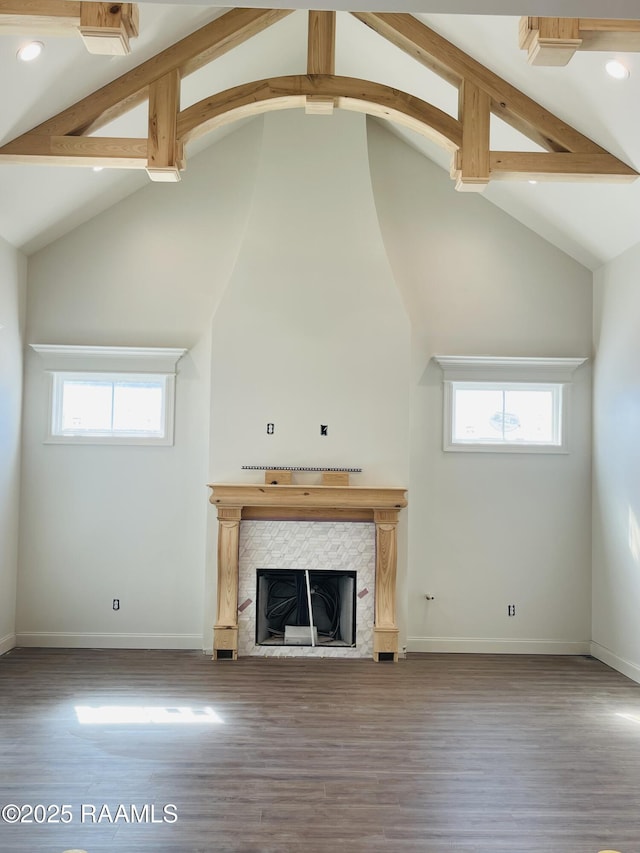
268,261
486,530
13,269
616,460
103,522
150,270
312,329
107,522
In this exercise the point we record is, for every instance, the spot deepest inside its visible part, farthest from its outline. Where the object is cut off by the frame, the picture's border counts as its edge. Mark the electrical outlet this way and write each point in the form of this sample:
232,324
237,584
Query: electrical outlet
116,604
511,610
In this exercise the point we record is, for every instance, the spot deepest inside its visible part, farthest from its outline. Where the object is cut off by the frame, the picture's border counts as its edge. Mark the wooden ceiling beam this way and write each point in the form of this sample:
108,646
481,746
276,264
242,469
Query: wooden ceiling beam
549,41
553,41
77,151
51,141
321,57
454,65
64,138
188,55
53,17
541,166
321,44
506,102
164,151
250,99
608,34
105,27
471,163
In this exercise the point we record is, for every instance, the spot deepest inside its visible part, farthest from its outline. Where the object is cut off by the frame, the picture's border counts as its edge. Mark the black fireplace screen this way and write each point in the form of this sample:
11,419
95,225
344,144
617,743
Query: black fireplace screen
283,601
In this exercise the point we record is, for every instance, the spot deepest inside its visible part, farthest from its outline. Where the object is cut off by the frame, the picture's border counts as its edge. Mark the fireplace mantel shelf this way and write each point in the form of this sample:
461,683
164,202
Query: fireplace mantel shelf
301,497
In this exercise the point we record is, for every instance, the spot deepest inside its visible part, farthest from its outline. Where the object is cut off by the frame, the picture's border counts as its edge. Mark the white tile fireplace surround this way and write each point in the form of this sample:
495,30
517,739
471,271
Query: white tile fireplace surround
313,545
286,526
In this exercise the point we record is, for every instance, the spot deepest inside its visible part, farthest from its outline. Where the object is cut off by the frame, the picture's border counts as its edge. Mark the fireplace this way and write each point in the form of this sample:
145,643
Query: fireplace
324,549
372,509
298,607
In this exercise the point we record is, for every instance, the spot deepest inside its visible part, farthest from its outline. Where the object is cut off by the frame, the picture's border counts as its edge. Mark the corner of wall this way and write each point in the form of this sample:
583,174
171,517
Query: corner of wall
13,267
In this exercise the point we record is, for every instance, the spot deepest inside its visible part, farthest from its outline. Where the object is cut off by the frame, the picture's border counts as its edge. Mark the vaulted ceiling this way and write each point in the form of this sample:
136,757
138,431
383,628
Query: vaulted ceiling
591,221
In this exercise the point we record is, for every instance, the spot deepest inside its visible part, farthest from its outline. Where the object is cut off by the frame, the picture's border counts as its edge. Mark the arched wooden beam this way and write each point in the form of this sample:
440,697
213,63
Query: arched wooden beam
278,93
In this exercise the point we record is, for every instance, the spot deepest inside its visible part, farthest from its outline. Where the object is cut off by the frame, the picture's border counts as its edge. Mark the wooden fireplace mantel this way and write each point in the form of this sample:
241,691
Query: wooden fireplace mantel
249,501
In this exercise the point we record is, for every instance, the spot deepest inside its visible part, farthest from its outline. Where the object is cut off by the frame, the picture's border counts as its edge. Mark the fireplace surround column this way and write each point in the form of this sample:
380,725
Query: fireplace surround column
385,632
225,631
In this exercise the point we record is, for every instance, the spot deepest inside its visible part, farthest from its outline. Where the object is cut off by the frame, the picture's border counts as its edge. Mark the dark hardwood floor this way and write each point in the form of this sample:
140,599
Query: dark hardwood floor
493,754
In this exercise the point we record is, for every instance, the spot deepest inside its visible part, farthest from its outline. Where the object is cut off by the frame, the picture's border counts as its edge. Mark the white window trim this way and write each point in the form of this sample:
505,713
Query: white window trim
111,362
56,436
509,372
81,359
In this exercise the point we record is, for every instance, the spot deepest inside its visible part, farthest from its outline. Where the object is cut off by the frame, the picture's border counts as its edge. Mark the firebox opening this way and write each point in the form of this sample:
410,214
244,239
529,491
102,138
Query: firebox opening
282,602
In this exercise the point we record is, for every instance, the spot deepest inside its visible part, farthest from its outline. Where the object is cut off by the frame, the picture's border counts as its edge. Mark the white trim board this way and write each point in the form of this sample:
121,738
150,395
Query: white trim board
462,368
7,643
112,359
67,640
626,667
497,646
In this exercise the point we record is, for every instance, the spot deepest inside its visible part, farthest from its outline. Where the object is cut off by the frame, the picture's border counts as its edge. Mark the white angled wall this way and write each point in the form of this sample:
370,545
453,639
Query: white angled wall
616,461
487,530
13,269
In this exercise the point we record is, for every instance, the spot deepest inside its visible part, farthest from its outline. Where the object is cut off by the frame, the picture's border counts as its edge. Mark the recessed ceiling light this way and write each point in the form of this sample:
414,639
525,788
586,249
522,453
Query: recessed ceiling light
616,69
30,51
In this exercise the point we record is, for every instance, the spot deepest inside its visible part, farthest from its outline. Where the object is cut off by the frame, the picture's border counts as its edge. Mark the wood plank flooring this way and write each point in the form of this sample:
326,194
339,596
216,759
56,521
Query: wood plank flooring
438,753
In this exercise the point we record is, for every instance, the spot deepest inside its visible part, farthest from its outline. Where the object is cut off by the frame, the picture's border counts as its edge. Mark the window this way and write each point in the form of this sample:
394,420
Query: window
110,406
513,405
494,413
94,405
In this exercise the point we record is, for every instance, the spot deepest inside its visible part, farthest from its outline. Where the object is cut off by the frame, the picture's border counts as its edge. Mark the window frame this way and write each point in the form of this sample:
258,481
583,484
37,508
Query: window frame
111,364
506,374
57,435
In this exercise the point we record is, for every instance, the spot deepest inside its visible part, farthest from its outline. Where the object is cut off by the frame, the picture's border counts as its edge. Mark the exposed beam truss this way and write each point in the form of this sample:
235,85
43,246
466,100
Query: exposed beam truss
572,156
105,27
553,41
321,57
348,93
567,155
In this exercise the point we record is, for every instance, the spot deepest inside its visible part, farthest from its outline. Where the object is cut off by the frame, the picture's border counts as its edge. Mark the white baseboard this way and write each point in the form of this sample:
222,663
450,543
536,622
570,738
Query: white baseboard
626,667
7,643
43,639
490,646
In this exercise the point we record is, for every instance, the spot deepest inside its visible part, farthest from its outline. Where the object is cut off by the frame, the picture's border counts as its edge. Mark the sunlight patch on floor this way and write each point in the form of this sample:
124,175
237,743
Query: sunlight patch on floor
109,714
